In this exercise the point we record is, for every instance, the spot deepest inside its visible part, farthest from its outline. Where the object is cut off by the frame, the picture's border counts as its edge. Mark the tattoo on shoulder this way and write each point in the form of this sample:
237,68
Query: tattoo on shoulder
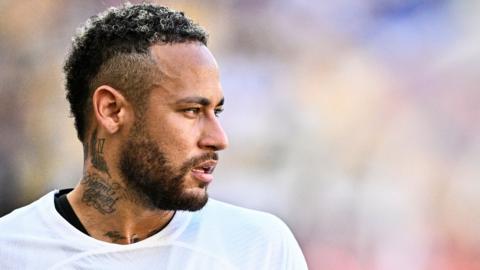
100,194
96,149
115,236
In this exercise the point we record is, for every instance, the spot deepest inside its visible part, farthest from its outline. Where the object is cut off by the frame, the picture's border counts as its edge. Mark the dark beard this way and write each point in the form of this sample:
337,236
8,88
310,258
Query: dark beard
152,181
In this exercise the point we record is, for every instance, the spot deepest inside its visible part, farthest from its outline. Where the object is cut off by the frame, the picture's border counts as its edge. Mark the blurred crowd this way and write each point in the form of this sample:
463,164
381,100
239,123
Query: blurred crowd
352,120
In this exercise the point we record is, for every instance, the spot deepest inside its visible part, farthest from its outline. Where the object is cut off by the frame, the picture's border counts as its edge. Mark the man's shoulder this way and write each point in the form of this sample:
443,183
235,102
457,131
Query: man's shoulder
234,218
32,236
27,216
231,209
247,238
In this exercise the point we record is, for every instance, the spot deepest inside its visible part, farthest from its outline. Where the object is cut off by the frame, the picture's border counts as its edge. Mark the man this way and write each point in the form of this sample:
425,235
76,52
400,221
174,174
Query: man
145,94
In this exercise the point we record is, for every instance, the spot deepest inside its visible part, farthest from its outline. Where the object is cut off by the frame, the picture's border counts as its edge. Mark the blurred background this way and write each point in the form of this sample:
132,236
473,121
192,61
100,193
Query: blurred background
355,121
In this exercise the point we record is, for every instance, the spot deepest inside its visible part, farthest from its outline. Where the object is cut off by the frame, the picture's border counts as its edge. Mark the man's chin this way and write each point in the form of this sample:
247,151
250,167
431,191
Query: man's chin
192,206
191,199
195,199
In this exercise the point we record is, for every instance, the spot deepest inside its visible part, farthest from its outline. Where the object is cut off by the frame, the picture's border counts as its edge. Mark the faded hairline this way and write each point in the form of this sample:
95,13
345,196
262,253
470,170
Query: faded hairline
134,75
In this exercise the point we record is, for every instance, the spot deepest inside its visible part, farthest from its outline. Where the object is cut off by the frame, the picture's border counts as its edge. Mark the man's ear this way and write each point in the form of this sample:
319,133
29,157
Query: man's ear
110,108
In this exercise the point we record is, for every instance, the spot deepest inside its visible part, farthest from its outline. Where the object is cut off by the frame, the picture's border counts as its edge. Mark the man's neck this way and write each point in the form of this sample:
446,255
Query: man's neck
112,213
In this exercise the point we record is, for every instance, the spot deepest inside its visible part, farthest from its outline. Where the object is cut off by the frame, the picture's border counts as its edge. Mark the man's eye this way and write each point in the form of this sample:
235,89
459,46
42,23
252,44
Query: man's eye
192,111
218,111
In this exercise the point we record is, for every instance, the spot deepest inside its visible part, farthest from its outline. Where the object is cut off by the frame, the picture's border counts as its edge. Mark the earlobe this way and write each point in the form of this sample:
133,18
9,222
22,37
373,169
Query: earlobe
109,108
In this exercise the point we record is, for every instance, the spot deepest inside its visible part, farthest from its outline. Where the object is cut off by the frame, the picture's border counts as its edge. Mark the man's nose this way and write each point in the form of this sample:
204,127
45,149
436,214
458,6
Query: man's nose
213,136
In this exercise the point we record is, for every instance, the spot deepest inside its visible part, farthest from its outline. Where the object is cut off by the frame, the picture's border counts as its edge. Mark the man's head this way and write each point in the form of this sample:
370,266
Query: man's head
143,78
113,48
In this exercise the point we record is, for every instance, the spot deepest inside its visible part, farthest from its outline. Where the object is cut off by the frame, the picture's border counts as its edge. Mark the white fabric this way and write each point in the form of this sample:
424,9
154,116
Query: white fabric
220,236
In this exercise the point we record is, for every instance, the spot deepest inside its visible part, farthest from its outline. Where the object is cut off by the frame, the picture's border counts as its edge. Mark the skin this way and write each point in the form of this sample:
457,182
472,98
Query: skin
181,117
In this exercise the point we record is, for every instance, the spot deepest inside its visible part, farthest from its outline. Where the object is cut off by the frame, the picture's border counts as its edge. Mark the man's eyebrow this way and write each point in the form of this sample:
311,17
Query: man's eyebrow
199,100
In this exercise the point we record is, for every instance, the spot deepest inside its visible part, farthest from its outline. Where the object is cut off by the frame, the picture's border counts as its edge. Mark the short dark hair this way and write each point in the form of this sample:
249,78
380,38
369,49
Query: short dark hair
113,48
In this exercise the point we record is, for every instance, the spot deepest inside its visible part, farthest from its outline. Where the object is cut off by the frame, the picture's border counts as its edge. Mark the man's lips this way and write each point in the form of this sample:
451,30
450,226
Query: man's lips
204,170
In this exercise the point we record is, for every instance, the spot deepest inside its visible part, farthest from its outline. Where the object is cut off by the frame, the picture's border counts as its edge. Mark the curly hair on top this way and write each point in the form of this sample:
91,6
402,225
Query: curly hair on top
112,48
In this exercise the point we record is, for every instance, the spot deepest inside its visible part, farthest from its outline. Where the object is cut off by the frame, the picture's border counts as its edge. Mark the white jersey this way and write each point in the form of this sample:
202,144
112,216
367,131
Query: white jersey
220,236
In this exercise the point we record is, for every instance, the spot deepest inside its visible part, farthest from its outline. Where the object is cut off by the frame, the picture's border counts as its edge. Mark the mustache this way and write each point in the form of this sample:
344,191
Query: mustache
192,162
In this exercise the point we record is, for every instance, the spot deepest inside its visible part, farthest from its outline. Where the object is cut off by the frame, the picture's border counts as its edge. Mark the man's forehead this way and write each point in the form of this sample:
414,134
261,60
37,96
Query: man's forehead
186,70
175,57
